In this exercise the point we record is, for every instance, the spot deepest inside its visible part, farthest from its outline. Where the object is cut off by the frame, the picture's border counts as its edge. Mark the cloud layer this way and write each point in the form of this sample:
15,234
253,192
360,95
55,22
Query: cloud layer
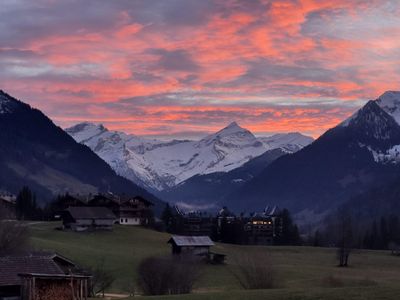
186,67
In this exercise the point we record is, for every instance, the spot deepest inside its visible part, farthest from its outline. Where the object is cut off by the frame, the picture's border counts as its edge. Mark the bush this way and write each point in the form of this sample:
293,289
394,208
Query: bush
14,237
255,271
168,275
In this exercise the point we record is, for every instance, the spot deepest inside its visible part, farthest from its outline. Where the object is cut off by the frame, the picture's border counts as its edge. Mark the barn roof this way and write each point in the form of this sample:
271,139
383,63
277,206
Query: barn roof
34,262
191,240
84,212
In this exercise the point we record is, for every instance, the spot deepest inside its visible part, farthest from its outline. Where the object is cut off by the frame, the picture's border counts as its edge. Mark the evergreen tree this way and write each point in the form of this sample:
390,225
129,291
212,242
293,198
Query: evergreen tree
26,206
290,232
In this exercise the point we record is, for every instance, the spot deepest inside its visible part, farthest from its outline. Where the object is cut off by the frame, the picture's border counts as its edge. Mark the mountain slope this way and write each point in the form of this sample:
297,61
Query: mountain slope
343,162
161,165
207,191
37,153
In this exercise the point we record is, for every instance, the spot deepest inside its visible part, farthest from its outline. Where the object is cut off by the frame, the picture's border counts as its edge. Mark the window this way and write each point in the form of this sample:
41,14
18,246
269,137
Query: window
122,221
126,220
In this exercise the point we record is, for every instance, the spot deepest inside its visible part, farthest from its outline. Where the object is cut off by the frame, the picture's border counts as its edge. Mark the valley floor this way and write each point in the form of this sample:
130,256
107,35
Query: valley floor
302,272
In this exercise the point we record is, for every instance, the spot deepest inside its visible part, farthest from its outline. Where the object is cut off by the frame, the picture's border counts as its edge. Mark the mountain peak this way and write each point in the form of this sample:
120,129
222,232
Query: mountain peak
390,102
84,130
7,103
233,124
231,129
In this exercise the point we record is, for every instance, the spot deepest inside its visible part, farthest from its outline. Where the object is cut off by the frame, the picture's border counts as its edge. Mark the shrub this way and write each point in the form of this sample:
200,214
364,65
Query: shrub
168,275
255,270
14,237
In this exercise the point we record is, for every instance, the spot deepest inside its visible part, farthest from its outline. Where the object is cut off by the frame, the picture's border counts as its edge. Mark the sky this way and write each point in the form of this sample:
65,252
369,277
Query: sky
185,68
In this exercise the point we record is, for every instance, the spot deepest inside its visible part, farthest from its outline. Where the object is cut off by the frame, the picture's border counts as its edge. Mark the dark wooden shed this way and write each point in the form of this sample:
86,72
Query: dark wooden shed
41,275
195,245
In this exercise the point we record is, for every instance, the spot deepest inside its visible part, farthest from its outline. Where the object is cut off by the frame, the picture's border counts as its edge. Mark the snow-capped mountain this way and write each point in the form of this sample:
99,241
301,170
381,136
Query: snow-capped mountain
159,164
380,116
289,142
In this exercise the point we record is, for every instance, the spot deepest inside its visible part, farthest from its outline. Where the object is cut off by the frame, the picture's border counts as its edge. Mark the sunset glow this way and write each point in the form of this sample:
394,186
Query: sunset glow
184,68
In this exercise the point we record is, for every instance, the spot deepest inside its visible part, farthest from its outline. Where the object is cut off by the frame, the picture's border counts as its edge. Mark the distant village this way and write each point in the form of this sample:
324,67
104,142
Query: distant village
102,211
47,275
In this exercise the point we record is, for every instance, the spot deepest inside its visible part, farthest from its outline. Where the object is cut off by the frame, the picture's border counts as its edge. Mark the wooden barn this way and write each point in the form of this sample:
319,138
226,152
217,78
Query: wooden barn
84,218
193,245
41,276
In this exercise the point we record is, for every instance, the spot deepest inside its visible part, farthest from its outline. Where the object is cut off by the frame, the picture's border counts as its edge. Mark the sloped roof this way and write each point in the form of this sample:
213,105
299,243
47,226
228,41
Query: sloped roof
35,262
180,240
124,199
85,212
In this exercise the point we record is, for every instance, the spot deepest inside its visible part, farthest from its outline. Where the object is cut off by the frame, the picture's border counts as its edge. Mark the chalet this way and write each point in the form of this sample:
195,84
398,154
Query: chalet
128,210
134,211
263,228
41,275
7,207
68,200
84,218
192,245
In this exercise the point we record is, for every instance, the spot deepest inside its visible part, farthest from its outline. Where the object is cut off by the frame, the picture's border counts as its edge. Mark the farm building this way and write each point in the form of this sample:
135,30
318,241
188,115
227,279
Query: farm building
195,245
84,218
41,276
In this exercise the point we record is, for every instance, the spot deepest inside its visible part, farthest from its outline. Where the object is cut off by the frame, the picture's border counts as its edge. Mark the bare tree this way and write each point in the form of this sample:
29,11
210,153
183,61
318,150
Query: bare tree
102,278
345,238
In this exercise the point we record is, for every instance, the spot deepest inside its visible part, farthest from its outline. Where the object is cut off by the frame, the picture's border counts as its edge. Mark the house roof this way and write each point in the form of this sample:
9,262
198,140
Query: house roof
33,262
85,212
124,199
191,240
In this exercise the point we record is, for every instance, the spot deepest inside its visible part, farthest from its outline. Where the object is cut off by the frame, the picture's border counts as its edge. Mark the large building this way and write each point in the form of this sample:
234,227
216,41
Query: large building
263,228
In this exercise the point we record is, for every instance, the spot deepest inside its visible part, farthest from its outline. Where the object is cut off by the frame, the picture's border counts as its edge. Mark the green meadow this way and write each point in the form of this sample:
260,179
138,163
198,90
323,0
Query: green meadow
302,272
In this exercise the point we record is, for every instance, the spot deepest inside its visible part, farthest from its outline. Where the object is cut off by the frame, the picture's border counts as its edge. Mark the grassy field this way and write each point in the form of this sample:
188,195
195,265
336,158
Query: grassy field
303,272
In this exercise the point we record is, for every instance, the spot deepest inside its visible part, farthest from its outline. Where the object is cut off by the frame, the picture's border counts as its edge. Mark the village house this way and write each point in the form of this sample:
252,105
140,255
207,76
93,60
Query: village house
128,210
192,245
41,275
134,211
82,218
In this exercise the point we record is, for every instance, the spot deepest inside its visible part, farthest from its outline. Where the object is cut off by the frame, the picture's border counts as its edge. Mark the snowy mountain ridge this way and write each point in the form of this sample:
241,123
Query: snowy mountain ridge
159,164
383,119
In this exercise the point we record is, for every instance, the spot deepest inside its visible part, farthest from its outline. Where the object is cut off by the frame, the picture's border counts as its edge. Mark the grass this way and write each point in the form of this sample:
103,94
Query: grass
303,272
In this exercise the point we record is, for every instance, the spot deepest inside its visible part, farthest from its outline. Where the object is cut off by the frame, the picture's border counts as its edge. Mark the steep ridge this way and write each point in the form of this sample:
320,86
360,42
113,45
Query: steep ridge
343,162
37,153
